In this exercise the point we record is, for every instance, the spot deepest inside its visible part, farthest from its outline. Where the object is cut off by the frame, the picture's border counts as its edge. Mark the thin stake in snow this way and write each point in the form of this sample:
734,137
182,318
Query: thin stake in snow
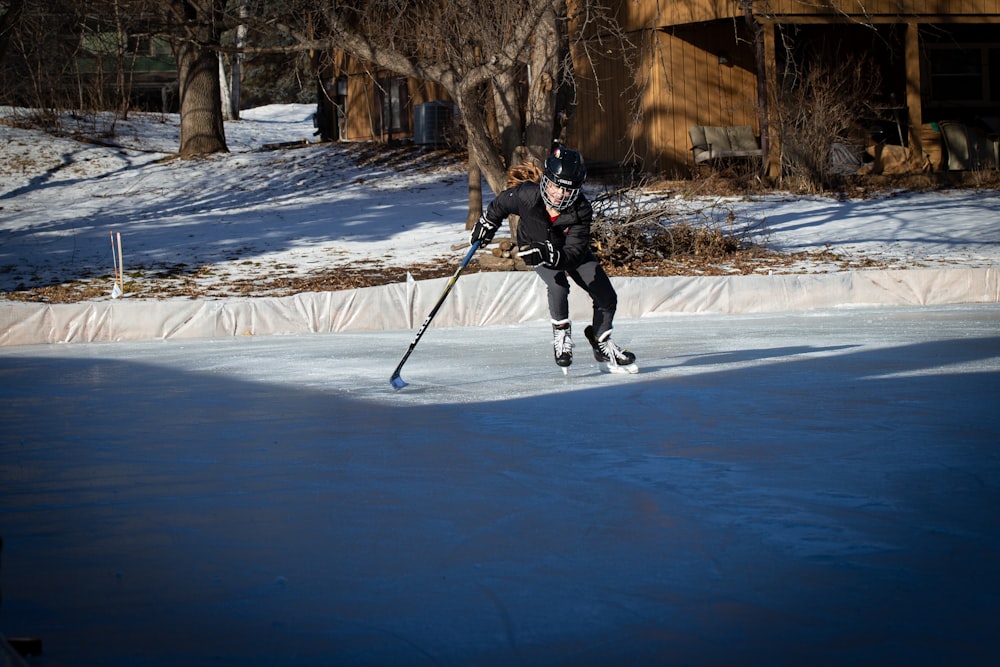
398,382
121,263
116,259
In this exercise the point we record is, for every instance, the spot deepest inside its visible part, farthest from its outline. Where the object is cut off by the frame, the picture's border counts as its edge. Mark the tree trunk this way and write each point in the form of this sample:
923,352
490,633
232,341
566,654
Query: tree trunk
541,102
224,89
507,111
475,194
202,130
196,52
480,147
236,86
236,89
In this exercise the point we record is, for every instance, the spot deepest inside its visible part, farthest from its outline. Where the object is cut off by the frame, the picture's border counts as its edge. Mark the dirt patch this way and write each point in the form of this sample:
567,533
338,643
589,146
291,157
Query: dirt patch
273,282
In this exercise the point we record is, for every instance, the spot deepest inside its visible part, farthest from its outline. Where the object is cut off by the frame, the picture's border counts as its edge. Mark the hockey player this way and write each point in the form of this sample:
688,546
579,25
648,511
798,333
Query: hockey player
553,236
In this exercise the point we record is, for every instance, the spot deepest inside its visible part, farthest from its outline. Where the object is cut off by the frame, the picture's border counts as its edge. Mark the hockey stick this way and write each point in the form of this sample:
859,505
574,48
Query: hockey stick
398,382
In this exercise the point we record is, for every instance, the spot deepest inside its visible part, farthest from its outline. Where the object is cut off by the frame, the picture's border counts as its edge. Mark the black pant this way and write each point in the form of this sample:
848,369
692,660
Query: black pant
591,277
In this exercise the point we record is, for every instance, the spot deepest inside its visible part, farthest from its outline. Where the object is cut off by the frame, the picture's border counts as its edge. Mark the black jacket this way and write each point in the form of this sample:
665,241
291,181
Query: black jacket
570,233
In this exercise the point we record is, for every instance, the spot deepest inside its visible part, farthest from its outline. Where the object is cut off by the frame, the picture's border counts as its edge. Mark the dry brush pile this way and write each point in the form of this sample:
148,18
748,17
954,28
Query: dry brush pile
637,231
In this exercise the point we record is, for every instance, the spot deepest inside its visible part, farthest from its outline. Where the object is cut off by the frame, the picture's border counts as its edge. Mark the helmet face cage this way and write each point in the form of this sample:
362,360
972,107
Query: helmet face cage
564,170
565,201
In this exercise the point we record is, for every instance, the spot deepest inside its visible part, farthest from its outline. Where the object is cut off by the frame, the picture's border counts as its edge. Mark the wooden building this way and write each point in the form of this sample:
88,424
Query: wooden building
359,103
695,63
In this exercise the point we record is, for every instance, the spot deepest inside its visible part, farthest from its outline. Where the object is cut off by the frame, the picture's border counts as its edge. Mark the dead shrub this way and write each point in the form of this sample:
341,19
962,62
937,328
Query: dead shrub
633,228
821,107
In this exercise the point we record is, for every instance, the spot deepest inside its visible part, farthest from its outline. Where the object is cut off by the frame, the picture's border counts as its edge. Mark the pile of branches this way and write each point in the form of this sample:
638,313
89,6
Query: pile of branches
631,228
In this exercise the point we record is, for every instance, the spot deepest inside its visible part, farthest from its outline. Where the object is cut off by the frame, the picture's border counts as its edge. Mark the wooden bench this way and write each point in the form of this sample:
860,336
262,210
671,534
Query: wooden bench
715,142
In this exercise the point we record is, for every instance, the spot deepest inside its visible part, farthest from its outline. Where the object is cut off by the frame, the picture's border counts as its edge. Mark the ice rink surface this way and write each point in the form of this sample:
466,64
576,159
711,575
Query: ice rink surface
810,488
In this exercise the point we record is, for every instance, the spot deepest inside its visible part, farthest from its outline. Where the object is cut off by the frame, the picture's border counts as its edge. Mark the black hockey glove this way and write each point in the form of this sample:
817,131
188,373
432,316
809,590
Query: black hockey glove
540,253
484,231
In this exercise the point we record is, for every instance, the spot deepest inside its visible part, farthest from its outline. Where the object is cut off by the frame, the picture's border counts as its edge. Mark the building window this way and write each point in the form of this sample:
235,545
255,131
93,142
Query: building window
395,99
963,74
994,75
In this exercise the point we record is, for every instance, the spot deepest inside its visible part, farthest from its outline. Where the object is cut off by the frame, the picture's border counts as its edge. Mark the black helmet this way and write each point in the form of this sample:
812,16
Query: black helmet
565,169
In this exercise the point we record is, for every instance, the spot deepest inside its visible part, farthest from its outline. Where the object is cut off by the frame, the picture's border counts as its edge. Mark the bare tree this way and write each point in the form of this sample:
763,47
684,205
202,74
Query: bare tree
71,53
472,49
42,45
820,111
9,18
501,62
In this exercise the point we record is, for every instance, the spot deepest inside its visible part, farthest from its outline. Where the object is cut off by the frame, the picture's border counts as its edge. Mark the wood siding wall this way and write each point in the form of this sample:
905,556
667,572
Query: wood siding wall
363,117
364,108
600,119
681,81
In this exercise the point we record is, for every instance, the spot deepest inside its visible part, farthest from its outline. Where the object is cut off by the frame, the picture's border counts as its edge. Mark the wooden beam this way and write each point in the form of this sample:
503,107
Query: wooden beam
913,103
773,156
937,19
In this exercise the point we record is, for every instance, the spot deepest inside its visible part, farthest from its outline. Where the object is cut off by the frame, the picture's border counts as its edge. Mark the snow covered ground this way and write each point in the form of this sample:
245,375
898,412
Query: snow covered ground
814,485
248,213
261,213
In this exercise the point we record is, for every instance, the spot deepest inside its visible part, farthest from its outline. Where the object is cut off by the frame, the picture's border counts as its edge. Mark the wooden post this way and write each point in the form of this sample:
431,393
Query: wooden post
914,109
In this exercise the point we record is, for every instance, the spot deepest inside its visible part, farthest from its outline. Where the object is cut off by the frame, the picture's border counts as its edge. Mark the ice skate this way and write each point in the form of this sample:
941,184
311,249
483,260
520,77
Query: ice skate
562,344
618,360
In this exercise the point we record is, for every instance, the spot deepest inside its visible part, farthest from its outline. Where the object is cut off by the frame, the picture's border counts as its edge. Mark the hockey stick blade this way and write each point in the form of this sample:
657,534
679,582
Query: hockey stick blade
397,382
